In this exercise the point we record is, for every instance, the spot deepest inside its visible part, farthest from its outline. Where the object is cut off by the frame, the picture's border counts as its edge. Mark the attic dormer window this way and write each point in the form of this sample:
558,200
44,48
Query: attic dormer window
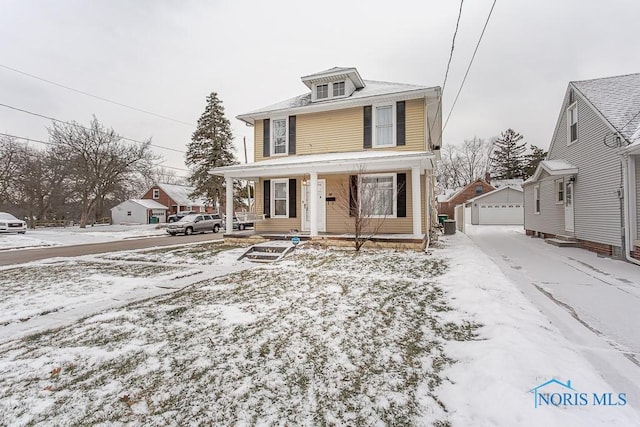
338,89
322,91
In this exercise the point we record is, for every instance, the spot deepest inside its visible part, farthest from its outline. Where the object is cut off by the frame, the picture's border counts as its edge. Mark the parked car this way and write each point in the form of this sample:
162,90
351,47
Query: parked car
11,224
178,216
195,223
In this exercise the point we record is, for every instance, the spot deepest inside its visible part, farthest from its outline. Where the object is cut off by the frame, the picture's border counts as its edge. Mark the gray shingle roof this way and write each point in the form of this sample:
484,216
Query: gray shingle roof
372,88
617,99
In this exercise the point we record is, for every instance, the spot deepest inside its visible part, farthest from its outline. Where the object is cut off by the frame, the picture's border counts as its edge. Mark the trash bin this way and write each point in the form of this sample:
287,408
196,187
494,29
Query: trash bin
154,220
450,226
442,218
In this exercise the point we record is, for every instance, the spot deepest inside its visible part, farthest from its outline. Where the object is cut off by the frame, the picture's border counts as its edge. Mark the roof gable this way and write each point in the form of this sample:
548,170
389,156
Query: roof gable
556,167
180,194
494,192
460,192
617,99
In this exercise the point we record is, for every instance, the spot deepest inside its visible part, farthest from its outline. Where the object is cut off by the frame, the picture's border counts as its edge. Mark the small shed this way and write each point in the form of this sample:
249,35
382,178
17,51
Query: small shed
139,211
504,206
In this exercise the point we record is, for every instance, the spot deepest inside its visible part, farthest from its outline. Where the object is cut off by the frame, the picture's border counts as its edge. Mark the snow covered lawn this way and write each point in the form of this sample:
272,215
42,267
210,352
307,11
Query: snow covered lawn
42,237
325,337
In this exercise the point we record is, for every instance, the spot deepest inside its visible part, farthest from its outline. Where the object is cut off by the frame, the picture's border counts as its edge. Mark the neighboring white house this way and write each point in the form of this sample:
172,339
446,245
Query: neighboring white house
138,211
504,206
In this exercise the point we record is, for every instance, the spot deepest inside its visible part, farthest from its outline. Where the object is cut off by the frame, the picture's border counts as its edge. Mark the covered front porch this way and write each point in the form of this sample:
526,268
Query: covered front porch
313,195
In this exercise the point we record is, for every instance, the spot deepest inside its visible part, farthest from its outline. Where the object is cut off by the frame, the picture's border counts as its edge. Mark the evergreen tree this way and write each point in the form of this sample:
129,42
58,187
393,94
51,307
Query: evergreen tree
210,147
507,159
532,160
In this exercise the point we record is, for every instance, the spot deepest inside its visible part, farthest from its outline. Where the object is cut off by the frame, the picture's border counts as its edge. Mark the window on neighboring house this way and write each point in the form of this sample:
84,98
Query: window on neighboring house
128,213
559,191
536,199
279,136
383,126
322,91
572,117
156,193
338,89
280,198
478,189
377,195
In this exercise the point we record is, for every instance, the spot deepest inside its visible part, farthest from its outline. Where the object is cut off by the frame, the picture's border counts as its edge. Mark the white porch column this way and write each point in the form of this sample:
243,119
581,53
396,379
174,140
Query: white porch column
229,191
415,198
313,204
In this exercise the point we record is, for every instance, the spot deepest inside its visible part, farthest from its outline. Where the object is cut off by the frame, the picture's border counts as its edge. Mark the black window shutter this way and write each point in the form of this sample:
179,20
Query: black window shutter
266,138
267,198
367,127
401,199
292,198
292,134
400,123
353,195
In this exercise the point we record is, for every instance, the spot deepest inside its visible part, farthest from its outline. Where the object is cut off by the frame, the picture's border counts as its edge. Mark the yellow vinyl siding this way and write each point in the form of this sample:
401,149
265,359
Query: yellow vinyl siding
337,212
282,225
342,131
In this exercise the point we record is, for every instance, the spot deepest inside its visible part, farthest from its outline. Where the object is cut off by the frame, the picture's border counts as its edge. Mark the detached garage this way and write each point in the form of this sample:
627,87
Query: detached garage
504,206
138,211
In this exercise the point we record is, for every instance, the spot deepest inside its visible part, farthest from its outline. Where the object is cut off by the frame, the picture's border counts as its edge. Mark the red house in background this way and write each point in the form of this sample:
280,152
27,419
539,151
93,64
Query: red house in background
176,198
474,189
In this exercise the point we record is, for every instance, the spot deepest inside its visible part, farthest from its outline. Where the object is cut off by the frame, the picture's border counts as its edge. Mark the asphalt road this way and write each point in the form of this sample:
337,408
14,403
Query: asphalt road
28,255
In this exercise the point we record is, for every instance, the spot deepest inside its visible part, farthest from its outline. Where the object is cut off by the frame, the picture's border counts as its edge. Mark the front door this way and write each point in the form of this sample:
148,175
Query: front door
568,206
322,206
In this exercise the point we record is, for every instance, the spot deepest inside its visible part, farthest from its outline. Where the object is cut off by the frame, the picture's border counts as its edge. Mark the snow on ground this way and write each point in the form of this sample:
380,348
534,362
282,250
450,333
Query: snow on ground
325,337
75,235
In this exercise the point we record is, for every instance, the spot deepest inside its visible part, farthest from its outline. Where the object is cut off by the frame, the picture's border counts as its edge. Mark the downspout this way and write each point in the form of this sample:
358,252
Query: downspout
627,209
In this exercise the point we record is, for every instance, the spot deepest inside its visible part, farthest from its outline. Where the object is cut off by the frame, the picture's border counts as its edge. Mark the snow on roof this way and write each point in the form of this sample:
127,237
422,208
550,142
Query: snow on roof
372,88
618,100
553,167
497,190
351,162
180,194
513,183
149,204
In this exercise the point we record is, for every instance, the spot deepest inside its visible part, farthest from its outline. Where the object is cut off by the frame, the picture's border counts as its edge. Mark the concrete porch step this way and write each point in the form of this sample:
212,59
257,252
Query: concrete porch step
561,243
267,252
566,238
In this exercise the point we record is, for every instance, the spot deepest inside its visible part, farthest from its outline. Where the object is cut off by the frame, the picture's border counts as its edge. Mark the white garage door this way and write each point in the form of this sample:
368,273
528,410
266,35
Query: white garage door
501,214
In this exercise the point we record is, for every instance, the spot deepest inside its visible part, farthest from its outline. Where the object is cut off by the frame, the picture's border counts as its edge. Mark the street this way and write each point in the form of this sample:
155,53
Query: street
9,257
592,300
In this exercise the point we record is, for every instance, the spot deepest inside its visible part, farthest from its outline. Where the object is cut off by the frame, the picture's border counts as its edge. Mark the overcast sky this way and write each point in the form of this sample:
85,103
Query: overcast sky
167,56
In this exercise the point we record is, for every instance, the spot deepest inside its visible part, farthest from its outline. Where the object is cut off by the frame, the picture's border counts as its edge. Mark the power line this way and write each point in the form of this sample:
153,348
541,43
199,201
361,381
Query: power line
83,127
98,97
446,73
24,138
469,67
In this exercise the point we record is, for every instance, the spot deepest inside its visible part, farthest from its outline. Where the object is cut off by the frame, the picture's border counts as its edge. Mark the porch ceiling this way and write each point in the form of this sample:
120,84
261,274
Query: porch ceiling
331,163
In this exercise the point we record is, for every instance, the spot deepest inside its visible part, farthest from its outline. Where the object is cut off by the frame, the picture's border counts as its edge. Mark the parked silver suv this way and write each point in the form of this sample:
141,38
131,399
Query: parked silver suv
195,223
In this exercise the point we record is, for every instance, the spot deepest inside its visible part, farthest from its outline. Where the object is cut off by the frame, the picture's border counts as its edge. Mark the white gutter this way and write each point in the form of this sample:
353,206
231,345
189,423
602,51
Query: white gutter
628,168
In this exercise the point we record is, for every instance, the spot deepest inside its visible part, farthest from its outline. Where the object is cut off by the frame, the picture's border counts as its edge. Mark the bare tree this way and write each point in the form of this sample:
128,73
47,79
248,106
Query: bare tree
465,163
370,201
11,154
99,163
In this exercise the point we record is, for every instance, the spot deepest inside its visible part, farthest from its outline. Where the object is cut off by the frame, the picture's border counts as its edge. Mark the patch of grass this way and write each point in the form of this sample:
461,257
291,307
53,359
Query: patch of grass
326,338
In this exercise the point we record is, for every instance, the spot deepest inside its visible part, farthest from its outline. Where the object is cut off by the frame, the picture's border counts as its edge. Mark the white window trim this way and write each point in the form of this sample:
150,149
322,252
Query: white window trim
273,197
286,137
156,194
558,183
536,198
569,108
395,193
315,91
345,89
374,127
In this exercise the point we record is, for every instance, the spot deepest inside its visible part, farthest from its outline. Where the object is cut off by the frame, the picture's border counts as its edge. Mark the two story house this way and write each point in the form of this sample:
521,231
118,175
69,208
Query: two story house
345,141
587,190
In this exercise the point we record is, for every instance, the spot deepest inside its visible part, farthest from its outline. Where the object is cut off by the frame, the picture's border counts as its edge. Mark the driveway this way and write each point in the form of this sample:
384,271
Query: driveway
594,301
